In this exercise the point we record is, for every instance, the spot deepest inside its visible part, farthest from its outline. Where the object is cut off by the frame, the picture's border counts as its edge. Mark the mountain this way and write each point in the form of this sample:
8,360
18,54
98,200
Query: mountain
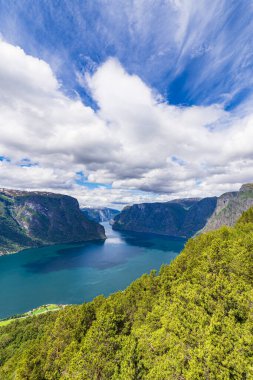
229,207
100,214
185,217
181,218
33,219
191,321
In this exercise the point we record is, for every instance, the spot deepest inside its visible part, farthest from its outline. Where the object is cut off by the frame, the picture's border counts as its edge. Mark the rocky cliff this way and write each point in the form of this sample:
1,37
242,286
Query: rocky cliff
230,207
31,219
100,214
185,217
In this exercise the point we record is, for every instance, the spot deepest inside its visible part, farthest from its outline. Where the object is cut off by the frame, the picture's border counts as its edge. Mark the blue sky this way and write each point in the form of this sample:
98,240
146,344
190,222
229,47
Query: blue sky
210,62
185,53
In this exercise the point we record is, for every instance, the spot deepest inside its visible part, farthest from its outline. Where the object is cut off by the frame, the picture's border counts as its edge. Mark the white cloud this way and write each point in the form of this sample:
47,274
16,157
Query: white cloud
135,141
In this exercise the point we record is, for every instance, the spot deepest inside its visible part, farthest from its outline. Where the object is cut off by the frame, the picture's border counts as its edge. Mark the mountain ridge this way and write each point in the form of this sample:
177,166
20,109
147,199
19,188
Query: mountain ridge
185,217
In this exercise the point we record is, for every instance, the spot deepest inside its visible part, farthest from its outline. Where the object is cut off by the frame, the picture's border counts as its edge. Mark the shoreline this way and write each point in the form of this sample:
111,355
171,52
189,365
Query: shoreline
50,245
33,313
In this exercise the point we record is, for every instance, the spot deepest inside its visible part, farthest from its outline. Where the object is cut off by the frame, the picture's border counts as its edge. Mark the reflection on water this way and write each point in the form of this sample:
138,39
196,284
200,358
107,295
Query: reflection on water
74,273
151,241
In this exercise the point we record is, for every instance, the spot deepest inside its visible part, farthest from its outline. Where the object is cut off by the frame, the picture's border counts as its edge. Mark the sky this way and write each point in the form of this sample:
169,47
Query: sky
126,101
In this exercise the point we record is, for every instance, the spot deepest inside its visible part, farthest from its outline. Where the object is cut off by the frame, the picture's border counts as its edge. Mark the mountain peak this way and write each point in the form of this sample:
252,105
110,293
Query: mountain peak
247,187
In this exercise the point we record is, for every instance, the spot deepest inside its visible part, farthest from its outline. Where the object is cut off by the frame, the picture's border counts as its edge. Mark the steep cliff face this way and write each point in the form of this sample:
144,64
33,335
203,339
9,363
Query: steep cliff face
186,217
99,215
181,218
230,207
30,219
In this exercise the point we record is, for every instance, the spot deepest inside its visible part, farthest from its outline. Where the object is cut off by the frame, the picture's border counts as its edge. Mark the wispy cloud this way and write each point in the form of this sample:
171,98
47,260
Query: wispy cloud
191,52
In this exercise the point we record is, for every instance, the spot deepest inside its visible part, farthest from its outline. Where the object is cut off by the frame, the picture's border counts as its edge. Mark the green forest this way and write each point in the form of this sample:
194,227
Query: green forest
192,321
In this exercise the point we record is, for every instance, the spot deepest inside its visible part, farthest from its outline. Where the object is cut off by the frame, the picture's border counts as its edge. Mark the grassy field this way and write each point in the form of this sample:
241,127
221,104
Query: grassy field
32,313
43,309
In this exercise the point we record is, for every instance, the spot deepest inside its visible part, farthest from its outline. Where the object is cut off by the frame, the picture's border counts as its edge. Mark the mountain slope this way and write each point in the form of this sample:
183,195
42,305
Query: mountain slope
30,219
185,217
193,321
230,206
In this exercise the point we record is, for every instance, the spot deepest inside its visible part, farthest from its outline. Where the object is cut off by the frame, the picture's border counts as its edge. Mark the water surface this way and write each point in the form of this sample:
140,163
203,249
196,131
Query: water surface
76,273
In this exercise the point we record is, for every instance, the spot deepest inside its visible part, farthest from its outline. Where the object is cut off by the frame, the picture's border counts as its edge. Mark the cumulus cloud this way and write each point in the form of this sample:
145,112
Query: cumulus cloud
144,148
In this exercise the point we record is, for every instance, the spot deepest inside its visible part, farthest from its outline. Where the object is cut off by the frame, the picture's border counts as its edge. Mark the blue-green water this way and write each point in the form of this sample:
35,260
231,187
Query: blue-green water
76,273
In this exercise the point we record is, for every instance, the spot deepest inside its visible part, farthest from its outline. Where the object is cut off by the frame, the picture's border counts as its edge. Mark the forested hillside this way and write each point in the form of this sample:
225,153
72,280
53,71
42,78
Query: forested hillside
192,321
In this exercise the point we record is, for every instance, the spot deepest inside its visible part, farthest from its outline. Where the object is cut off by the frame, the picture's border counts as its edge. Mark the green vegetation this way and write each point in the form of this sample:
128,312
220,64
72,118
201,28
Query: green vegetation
44,309
5,322
32,313
193,321
247,217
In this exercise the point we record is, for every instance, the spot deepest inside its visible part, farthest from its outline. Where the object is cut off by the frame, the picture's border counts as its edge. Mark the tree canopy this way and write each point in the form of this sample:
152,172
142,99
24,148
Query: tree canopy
192,321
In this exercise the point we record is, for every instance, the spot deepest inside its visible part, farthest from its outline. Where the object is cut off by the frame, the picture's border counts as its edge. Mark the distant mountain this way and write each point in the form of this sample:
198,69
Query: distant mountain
182,218
32,219
100,214
185,217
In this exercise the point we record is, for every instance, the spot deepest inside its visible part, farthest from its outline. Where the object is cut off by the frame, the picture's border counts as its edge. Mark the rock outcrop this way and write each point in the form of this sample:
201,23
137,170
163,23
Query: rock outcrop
230,207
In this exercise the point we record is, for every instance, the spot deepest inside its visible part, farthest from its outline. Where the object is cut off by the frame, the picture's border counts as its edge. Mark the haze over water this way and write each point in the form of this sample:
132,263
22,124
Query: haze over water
66,274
